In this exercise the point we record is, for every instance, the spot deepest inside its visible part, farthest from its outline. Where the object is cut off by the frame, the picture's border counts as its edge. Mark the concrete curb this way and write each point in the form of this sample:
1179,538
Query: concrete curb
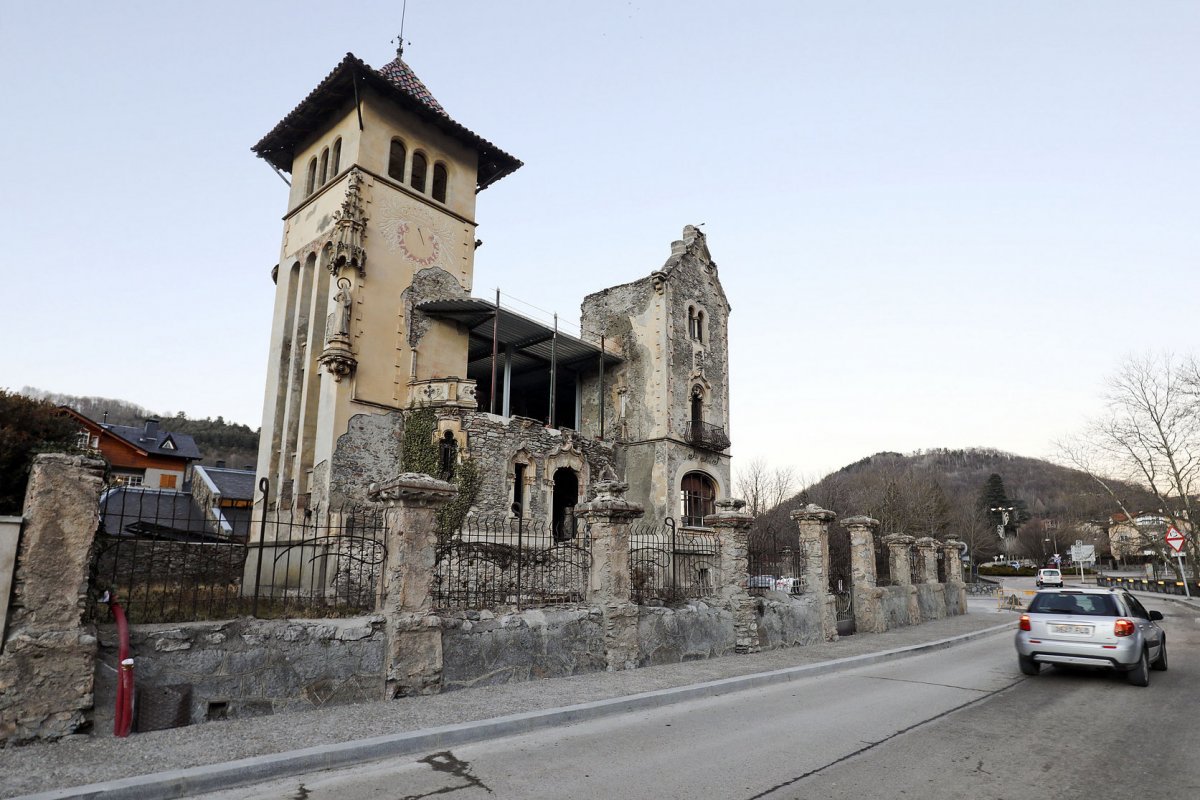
231,774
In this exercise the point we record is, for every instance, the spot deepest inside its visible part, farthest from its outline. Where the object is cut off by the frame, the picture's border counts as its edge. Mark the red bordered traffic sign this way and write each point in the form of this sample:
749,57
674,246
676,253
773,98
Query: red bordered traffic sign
1175,539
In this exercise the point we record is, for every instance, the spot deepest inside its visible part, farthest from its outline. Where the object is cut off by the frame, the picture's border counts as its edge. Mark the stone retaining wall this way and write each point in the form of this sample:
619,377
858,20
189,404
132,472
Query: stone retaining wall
245,667
790,621
482,648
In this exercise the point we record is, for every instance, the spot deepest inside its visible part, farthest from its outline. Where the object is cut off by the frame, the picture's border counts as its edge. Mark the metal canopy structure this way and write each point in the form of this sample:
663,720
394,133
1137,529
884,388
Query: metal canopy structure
530,345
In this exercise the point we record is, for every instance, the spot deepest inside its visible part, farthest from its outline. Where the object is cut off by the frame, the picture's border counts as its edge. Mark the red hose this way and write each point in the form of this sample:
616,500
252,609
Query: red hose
123,719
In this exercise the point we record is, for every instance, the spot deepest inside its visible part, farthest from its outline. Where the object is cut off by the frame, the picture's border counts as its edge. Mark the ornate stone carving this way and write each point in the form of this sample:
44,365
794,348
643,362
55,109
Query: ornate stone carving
413,489
350,225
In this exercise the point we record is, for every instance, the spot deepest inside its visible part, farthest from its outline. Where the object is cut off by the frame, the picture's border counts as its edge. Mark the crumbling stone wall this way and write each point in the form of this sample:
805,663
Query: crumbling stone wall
368,452
246,667
46,661
493,442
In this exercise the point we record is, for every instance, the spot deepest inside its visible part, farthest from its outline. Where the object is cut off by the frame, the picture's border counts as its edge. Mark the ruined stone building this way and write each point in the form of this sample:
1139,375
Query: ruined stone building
377,338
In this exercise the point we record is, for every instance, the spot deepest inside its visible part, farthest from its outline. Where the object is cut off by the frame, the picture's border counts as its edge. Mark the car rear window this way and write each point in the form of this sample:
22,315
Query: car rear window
1091,605
1051,573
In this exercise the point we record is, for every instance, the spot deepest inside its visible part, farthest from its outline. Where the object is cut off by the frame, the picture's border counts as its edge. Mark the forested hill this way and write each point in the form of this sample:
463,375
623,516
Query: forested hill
939,492
218,440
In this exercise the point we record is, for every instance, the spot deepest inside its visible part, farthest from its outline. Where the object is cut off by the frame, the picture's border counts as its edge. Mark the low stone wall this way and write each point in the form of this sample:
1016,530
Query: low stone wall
931,599
897,606
689,633
245,667
481,648
956,599
790,621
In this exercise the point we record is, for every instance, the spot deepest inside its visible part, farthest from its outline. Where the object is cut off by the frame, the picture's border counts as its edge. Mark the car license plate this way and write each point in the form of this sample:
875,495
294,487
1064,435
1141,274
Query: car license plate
1078,630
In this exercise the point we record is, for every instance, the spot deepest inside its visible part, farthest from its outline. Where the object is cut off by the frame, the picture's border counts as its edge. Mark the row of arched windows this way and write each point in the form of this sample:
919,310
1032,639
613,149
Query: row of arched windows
418,174
319,173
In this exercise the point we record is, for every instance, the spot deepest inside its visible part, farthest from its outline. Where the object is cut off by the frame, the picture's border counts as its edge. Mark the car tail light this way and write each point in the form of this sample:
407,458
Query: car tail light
1025,622
1123,627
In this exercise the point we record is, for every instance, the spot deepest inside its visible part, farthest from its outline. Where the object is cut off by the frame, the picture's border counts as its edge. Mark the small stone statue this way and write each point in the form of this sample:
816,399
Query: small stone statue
448,450
345,302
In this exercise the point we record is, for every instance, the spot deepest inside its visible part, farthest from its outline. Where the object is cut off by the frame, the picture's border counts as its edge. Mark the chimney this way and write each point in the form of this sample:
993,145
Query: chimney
151,432
220,464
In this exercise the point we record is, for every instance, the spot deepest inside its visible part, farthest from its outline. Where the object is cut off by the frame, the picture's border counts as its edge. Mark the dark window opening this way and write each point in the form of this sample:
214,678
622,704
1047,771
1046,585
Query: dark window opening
312,178
419,165
566,495
697,408
396,161
518,495
439,182
448,450
324,166
337,155
698,497
692,322
699,337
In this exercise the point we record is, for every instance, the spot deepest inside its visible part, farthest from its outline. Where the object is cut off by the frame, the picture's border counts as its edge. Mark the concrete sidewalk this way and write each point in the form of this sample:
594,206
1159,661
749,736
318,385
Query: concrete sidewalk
219,755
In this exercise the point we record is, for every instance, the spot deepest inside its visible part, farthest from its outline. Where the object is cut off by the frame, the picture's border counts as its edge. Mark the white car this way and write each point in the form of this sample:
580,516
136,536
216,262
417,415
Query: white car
1049,577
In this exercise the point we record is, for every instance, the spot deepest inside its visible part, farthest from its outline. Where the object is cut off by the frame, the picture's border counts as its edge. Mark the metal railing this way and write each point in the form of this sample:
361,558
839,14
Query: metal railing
711,437
1161,586
167,560
668,565
511,563
774,564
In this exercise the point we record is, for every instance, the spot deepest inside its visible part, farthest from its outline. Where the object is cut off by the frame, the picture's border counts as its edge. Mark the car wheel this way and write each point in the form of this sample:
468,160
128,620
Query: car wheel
1160,663
1028,665
1140,675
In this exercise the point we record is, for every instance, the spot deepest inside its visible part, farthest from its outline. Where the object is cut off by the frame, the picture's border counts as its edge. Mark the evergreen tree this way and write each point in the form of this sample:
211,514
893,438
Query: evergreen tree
28,427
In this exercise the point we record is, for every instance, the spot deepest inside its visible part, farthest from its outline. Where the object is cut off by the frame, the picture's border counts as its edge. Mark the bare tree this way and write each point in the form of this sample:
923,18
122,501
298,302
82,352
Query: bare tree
1149,435
764,487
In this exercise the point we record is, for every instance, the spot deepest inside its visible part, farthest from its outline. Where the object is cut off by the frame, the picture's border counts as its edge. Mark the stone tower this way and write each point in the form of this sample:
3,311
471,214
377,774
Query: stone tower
381,215
667,403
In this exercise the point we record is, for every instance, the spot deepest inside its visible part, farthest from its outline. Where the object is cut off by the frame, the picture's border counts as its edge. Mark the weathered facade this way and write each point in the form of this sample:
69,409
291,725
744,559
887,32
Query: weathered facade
374,322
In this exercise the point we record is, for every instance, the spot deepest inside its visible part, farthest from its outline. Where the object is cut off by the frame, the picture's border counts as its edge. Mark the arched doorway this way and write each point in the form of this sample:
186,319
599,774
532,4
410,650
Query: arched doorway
566,495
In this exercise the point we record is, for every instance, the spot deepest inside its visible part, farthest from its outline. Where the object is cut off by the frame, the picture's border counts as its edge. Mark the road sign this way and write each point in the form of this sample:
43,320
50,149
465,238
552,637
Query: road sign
1083,553
1175,539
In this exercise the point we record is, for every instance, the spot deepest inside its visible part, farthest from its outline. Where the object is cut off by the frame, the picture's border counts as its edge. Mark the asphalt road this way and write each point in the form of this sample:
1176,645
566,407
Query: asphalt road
951,724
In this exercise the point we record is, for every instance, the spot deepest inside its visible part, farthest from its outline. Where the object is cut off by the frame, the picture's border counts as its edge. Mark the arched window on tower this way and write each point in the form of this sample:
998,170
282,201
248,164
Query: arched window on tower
396,161
324,166
337,156
697,410
439,182
698,496
699,337
691,322
419,166
311,185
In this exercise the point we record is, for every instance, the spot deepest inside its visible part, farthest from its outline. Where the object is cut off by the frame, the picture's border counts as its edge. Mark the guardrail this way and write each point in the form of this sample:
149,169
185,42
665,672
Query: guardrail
1159,585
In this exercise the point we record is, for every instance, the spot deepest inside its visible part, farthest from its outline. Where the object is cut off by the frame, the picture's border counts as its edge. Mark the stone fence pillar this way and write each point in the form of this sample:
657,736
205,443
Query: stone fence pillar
953,555
48,656
608,518
899,548
927,548
414,632
813,522
867,597
956,590
732,525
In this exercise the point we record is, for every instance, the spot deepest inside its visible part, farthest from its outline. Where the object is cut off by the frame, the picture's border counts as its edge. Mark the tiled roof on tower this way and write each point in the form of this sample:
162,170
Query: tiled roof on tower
406,80
396,81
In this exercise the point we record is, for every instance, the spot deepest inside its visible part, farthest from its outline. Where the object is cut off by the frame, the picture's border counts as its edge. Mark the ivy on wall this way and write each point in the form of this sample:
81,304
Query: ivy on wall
421,453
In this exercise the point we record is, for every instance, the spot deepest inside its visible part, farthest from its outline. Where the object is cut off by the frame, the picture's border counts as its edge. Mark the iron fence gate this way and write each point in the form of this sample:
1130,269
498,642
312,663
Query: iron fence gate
775,563
515,562
668,565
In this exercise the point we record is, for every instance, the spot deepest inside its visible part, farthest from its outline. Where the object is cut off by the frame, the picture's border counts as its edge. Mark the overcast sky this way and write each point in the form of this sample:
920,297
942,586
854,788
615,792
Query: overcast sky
940,224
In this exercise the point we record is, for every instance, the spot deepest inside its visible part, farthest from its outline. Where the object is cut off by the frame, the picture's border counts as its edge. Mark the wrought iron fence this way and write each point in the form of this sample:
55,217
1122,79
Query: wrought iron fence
168,560
669,565
517,563
775,563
